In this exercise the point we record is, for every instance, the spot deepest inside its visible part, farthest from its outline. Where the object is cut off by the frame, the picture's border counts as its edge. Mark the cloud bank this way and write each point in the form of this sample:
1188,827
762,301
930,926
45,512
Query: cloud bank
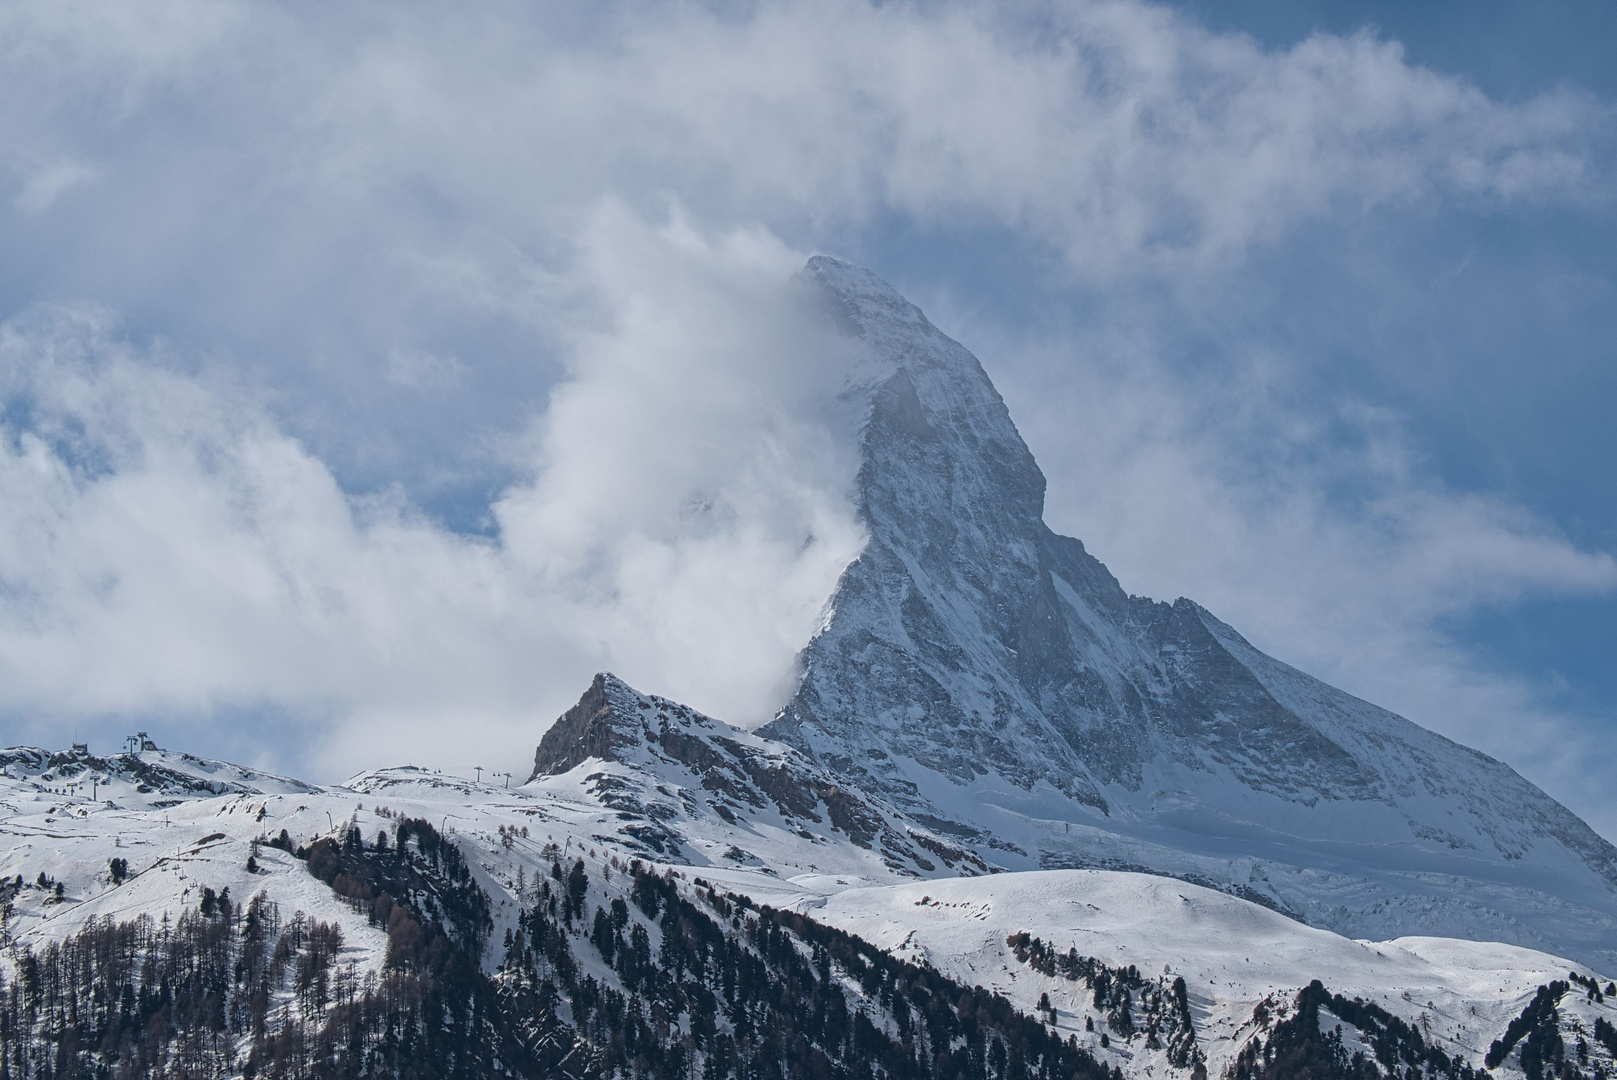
376,375
176,554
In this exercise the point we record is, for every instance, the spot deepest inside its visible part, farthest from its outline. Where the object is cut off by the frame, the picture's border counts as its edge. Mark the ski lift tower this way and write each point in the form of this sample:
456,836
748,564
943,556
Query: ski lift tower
137,742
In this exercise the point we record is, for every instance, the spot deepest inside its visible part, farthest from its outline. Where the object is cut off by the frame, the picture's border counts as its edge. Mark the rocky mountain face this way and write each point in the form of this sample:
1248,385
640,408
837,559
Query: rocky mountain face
992,679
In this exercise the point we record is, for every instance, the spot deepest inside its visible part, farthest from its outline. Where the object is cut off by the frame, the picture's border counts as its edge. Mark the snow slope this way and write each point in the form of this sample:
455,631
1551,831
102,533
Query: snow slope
1231,953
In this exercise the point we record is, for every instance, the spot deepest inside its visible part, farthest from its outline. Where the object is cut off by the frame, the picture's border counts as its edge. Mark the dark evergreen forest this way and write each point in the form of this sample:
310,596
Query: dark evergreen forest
672,982
1310,1045
1157,1009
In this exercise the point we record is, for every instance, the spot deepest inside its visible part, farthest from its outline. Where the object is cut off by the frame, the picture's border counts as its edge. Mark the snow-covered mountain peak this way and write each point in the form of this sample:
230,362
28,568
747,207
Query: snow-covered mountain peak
663,896
993,679
857,283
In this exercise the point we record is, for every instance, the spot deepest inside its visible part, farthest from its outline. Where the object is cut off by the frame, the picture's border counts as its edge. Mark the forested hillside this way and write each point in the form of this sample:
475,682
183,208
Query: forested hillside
628,974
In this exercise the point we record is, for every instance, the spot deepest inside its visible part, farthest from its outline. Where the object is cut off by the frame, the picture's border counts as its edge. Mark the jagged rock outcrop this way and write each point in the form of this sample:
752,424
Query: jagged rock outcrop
663,767
995,681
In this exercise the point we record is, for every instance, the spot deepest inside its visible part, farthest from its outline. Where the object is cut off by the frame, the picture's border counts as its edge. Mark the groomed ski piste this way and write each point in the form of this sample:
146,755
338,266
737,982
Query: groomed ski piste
184,825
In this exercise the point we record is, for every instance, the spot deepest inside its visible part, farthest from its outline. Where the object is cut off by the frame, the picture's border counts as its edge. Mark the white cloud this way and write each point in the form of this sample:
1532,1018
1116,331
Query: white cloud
690,479
47,184
1123,134
172,551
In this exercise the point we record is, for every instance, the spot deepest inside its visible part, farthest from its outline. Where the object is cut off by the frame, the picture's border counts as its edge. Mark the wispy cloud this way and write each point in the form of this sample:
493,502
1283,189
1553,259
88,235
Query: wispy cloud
173,552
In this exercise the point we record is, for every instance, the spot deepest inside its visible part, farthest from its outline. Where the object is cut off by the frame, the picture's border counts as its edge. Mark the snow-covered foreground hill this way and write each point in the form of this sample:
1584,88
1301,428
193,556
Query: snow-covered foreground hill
1091,955
1233,955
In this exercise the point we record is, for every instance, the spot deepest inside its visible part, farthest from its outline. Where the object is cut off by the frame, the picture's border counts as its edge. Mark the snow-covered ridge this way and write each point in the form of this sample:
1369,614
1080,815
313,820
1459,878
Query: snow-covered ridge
1233,955
137,778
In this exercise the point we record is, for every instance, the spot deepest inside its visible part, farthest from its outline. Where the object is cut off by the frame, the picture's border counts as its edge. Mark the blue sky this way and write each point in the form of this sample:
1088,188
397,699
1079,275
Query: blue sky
343,350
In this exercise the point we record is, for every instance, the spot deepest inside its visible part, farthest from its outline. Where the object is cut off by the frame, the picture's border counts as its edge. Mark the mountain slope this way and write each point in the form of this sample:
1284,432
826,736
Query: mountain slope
1232,955
995,681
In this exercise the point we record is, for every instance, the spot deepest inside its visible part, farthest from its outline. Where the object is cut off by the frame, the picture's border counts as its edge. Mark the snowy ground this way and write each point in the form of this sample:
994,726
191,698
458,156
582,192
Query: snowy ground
1232,954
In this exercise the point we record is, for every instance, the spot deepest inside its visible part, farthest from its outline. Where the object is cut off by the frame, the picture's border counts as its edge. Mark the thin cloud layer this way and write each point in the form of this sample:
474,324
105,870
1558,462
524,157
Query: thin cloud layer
377,370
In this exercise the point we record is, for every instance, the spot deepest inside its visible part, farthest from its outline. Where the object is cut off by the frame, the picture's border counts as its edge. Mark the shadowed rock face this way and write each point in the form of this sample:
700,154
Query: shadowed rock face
993,679
585,731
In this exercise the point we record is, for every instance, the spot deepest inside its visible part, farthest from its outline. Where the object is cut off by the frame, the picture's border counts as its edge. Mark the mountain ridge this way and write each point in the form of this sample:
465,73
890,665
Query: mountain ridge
742,778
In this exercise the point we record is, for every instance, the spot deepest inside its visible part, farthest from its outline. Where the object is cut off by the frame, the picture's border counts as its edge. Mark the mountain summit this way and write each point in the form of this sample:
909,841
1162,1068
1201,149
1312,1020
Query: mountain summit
993,680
